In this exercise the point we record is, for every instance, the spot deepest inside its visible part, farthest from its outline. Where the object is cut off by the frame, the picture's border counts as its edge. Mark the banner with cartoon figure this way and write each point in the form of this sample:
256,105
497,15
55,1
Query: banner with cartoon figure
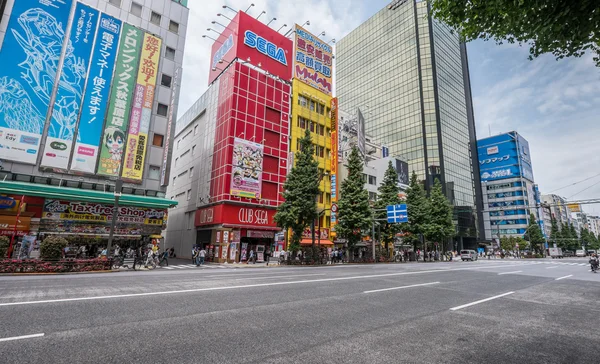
246,176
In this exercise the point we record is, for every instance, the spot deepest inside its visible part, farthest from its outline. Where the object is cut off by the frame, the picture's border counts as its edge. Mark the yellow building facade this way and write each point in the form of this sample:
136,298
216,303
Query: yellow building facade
311,110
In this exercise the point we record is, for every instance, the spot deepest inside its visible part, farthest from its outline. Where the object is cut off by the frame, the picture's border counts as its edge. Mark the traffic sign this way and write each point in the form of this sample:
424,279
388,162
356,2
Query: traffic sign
397,213
334,207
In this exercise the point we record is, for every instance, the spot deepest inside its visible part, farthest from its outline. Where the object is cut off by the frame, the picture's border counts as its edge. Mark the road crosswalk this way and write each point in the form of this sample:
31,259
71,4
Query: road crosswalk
530,262
193,266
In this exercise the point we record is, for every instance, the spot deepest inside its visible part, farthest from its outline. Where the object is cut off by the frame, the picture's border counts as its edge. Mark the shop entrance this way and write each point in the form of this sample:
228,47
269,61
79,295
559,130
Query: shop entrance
258,245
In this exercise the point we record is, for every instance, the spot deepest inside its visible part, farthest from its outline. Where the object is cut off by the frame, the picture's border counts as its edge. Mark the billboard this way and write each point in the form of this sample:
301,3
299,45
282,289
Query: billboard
251,40
402,170
246,177
313,61
95,99
334,156
574,207
362,144
29,57
504,156
59,140
99,213
139,122
119,109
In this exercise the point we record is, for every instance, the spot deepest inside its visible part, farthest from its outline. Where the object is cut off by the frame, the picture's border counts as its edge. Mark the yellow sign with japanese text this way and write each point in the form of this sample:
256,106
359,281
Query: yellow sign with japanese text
313,61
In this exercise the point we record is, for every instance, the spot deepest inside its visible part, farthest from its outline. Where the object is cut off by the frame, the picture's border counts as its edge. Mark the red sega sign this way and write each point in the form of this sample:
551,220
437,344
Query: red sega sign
250,40
235,215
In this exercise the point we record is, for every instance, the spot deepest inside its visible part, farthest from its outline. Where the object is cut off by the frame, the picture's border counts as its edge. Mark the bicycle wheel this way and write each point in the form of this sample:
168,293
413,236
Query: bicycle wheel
138,264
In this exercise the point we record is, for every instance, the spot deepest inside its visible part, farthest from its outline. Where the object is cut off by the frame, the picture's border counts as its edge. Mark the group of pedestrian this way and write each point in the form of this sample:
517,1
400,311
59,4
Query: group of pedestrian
198,255
337,256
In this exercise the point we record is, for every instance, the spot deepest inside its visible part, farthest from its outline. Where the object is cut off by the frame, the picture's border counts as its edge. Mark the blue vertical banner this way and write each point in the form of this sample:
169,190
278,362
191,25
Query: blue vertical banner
95,100
29,60
63,122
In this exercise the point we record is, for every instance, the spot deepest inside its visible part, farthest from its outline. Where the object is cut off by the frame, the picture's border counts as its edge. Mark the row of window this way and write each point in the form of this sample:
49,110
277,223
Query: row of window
189,172
372,180
313,126
313,105
318,150
155,18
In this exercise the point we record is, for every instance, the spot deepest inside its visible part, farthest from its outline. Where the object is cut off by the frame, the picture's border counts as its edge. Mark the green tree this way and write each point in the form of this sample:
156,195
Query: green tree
534,234
555,235
522,243
418,210
563,28
507,243
440,227
354,212
574,242
4,245
387,195
300,190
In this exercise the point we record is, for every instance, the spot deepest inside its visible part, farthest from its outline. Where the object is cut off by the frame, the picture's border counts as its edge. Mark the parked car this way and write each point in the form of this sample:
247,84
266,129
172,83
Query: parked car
580,253
468,255
568,253
556,253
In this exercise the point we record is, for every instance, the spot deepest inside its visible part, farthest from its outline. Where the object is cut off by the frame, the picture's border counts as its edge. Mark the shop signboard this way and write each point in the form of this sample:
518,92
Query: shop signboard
246,177
95,99
261,234
99,213
504,156
139,122
30,56
119,107
7,225
334,157
324,233
251,40
313,61
69,94
236,215
7,202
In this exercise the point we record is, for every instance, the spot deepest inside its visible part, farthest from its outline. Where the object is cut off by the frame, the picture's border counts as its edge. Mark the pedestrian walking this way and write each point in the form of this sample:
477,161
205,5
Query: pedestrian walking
251,257
164,258
202,256
267,256
196,256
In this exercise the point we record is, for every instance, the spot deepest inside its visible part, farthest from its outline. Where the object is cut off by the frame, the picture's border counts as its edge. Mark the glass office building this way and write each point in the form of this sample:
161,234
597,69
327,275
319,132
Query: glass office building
409,75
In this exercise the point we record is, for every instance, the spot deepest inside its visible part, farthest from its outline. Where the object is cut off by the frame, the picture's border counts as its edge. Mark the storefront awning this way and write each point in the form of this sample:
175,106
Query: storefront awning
309,242
76,194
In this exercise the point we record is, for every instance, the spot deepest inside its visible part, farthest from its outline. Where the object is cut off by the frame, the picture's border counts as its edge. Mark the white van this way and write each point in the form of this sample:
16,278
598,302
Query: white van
580,253
468,255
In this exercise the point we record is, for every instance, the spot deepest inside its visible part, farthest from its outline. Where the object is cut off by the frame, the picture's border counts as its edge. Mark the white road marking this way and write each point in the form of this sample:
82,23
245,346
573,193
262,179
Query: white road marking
582,264
556,266
394,288
517,271
480,301
558,279
168,268
161,293
21,337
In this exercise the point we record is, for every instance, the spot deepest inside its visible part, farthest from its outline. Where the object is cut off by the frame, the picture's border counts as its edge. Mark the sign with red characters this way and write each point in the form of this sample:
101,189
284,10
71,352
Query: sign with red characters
251,40
235,215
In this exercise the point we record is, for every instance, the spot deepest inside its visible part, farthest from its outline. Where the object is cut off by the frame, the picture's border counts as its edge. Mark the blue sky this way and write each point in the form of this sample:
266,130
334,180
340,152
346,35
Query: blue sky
553,104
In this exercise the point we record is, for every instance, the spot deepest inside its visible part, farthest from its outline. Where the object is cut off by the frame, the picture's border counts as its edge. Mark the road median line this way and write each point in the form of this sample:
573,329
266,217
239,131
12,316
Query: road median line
480,301
401,287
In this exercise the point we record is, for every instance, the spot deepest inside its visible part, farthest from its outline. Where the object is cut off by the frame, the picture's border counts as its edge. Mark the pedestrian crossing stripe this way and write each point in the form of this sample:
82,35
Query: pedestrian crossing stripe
193,266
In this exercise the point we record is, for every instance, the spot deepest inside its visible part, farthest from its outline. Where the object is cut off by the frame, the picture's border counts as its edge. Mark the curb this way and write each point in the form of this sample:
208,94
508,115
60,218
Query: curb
57,274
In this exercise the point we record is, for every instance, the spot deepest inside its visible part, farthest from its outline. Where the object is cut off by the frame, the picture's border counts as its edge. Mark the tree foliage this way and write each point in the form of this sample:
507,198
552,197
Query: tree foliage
300,191
354,212
563,28
52,247
387,195
4,245
440,226
418,210
534,234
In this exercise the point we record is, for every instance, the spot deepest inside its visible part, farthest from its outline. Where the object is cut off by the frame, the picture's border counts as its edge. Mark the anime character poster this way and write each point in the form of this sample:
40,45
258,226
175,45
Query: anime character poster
246,176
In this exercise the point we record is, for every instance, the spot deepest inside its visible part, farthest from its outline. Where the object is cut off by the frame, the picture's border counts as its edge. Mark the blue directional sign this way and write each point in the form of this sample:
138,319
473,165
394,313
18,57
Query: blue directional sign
397,213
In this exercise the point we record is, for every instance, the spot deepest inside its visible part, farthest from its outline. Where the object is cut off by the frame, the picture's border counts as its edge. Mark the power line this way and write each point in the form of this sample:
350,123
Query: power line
573,184
585,189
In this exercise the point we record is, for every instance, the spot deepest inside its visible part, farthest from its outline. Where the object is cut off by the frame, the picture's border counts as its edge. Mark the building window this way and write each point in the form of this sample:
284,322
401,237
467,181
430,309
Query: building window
302,101
136,9
153,172
320,197
312,105
364,178
196,130
327,198
321,109
174,27
174,178
189,195
301,122
372,180
319,151
176,159
170,53
312,126
162,109
116,3
372,196
165,80
178,142
321,130
157,140
191,173
155,18
193,150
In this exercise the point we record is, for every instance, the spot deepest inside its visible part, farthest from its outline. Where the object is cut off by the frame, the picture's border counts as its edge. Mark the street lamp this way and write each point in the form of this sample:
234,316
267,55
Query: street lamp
113,222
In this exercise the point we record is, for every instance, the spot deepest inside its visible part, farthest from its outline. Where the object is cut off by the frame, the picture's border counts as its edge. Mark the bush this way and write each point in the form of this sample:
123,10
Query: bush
52,247
61,266
4,244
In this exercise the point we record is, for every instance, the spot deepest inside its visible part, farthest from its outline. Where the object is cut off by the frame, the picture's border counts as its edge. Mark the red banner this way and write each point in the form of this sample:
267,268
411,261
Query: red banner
235,215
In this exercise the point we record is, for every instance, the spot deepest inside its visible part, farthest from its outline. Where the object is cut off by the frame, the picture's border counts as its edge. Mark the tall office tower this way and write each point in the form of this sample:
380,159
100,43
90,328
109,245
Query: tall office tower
409,76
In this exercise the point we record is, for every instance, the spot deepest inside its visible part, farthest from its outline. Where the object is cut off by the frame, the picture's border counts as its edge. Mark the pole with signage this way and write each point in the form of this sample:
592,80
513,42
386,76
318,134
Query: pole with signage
12,238
113,221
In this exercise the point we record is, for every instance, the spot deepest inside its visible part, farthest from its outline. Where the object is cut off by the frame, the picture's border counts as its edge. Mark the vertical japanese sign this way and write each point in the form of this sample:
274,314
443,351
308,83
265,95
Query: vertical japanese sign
95,100
139,122
119,107
29,61
166,167
65,113
334,158
313,61
246,177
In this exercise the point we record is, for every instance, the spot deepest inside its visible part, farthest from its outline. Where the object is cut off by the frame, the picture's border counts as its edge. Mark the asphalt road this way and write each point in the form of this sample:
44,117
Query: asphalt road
460,312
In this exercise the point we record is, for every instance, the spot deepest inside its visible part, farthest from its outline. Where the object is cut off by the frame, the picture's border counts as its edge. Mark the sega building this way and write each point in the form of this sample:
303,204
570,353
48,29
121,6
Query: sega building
230,153
509,192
